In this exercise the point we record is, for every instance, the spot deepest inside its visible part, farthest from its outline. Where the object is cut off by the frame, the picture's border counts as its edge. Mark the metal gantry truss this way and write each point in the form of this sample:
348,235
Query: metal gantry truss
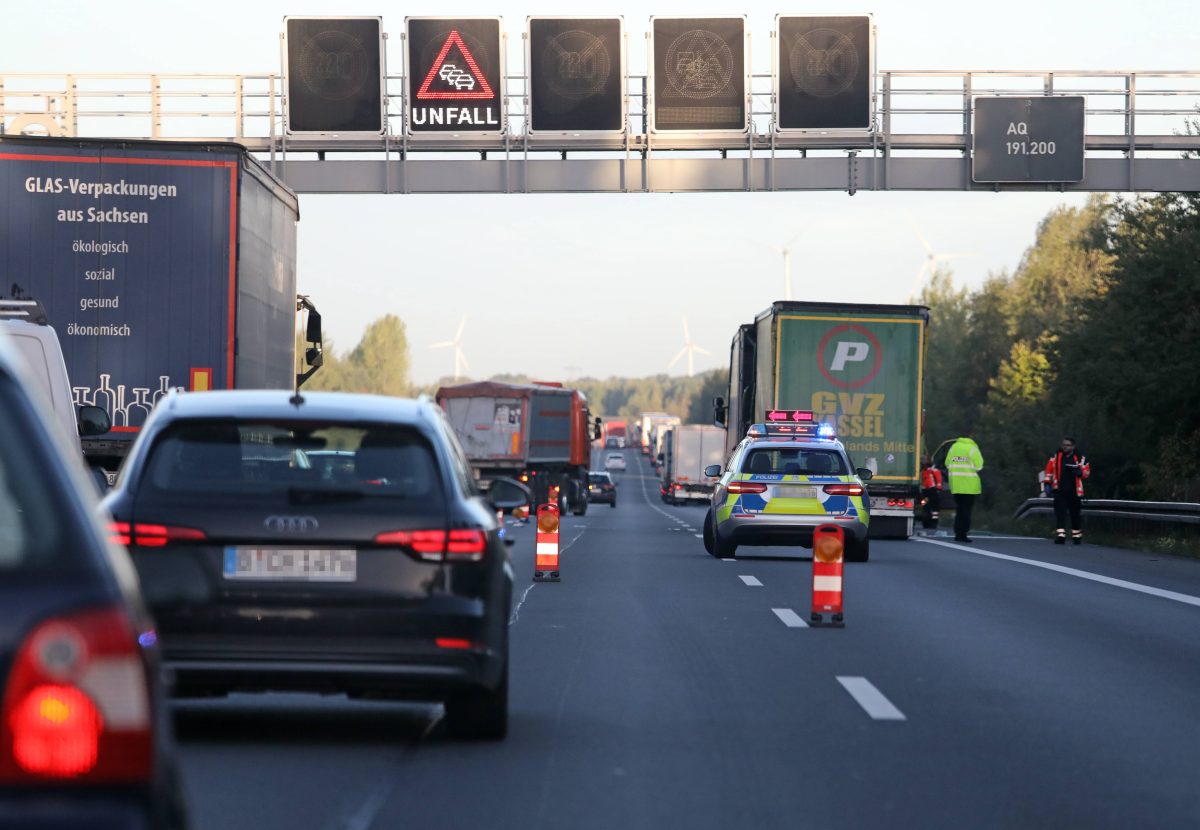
1141,136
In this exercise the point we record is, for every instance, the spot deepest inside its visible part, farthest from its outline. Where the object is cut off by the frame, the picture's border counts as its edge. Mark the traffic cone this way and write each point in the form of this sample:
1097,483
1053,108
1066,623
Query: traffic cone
545,568
828,555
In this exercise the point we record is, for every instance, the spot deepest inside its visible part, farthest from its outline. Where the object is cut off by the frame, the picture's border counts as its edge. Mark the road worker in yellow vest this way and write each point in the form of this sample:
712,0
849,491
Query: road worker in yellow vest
963,463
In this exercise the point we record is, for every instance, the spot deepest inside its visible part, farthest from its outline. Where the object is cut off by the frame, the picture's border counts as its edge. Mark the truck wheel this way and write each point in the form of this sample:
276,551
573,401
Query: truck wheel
859,551
581,508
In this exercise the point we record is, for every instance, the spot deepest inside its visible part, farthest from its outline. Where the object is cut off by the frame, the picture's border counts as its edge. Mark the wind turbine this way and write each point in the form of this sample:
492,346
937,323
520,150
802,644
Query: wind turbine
929,264
690,349
786,252
460,359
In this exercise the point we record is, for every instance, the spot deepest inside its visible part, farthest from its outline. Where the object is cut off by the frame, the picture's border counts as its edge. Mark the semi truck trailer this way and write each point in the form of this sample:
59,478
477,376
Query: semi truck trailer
159,264
857,367
687,450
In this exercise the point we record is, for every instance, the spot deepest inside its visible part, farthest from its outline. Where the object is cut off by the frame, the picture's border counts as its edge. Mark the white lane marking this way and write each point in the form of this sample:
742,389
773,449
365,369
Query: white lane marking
1186,599
870,699
517,611
698,535
728,560
751,581
790,618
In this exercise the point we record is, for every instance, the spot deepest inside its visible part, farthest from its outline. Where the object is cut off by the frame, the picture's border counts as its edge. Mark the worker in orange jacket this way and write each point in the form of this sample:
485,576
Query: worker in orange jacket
931,487
1065,472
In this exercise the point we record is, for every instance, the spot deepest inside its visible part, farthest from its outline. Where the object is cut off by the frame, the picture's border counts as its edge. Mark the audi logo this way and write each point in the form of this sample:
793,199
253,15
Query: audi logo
291,524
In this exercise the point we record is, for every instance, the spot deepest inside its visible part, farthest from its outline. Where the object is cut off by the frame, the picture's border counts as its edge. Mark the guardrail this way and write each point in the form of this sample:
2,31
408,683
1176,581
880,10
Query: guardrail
1121,516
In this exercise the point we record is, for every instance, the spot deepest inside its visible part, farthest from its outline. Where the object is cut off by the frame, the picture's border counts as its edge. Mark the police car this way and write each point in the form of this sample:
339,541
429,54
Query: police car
785,478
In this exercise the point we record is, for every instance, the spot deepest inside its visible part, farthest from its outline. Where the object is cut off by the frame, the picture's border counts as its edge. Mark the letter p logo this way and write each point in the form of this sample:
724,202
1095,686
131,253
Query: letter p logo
849,352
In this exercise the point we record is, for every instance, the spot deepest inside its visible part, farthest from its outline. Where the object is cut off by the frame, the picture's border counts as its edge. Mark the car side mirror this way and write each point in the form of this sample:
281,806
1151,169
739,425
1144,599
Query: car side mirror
712,470
93,421
864,474
507,494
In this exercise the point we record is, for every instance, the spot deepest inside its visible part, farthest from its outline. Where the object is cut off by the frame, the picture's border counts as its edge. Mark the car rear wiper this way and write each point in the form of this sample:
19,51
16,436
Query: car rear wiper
317,495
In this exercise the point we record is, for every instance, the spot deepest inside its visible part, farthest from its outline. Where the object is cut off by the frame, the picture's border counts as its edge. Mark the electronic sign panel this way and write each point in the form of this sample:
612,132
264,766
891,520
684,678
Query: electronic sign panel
699,74
455,75
576,73
333,75
823,71
1028,139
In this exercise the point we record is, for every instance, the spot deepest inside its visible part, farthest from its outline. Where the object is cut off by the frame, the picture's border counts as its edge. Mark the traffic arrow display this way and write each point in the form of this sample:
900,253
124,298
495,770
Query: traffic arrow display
797,415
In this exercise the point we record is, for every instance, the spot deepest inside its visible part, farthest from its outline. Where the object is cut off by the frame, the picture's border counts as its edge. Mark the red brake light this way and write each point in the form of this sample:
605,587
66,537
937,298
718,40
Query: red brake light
436,545
152,535
77,704
119,533
466,546
747,487
844,489
454,642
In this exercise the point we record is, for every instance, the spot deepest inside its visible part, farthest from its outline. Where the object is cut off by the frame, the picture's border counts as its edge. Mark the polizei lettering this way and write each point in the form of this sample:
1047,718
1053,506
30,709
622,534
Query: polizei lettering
455,116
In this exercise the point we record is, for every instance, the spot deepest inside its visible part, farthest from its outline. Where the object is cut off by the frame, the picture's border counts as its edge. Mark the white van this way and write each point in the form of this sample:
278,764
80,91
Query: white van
24,322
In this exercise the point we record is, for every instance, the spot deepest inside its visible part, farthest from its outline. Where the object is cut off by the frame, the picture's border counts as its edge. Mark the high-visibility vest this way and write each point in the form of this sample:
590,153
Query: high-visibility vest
963,463
1054,470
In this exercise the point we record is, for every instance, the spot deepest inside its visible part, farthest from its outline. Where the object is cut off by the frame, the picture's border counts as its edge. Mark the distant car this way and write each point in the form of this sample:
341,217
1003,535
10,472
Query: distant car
601,488
272,565
612,443
779,486
614,461
84,734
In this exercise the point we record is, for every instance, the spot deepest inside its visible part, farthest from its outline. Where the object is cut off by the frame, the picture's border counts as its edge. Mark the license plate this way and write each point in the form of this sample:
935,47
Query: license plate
786,492
300,564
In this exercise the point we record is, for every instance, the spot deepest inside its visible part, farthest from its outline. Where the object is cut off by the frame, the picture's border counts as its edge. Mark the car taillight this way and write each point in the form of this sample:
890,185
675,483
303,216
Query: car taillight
147,535
746,487
844,489
438,545
77,704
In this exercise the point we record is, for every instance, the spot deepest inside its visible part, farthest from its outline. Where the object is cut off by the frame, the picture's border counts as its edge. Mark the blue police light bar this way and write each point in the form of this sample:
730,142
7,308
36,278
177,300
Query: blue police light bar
798,416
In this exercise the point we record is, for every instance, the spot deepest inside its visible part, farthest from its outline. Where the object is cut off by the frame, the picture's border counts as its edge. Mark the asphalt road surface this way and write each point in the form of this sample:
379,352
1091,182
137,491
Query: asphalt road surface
1010,683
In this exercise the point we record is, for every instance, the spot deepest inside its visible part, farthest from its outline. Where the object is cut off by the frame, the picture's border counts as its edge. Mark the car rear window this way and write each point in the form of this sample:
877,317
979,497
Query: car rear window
280,457
30,527
794,461
599,478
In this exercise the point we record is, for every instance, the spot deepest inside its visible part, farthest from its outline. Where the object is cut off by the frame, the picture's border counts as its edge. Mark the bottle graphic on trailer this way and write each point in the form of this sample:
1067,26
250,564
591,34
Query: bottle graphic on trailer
105,398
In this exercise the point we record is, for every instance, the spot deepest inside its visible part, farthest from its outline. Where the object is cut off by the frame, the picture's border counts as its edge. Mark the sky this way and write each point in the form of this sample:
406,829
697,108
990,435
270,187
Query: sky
570,285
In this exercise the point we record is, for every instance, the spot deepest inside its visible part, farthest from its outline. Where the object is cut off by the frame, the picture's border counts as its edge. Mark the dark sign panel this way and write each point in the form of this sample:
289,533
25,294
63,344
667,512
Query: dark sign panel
334,75
1028,139
455,70
576,68
823,73
699,73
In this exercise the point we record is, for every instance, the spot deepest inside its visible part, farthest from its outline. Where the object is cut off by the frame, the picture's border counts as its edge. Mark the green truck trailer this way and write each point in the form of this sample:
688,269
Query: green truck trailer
859,367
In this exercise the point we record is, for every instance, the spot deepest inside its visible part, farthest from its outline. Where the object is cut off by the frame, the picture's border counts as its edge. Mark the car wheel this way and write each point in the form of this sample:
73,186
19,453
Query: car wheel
613,504
581,508
721,548
708,533
859,551
480,714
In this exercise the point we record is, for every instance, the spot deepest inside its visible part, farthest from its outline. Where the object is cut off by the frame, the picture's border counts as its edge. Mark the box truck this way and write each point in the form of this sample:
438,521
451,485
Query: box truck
159,264
858,367
687,450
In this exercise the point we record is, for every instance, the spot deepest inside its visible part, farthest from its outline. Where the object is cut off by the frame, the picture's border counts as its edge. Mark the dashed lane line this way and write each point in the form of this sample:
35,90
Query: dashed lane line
1186,599
751,581
790,618
870,699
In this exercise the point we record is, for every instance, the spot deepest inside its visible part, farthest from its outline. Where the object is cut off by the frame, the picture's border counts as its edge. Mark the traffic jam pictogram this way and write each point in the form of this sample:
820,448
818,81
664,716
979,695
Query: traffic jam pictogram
458,64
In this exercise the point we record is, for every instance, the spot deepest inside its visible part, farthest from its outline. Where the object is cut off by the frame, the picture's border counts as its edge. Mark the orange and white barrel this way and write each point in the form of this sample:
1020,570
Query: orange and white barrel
828,556
545,567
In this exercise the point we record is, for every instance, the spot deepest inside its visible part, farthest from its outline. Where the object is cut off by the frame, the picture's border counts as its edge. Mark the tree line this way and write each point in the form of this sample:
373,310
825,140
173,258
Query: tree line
1095,335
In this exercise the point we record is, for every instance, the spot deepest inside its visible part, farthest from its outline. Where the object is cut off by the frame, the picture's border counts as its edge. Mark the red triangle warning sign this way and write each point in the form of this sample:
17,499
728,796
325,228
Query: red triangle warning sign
455,82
